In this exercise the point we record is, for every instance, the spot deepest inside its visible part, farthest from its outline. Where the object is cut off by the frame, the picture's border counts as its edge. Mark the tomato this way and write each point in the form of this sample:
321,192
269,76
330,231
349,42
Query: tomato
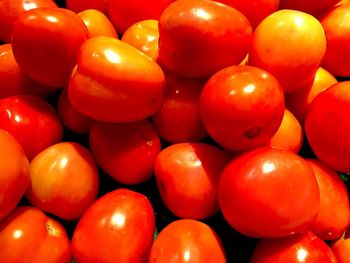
337,27
116,146
269,193
178,119
327,126
333,217
14,175
200,37
310,6
27,234
187,240
97,23
118,227
341,248
115,82
124,13
187,177
299,248
10,10
242,107
144,36
81,5
290,45
44,48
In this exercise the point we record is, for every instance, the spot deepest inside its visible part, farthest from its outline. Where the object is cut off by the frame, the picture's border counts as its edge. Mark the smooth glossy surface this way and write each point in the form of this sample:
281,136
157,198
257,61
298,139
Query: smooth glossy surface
341,248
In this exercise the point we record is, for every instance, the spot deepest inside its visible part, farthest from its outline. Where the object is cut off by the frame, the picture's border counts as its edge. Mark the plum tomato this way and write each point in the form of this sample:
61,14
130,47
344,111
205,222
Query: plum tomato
242,107
118,227
14,175
44,48
28,235
187,240
341,248
269,193
200,37
117,146
115,82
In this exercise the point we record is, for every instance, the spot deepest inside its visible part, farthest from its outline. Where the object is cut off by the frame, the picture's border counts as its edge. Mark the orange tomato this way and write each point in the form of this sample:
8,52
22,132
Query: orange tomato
290,45
81,5
341,248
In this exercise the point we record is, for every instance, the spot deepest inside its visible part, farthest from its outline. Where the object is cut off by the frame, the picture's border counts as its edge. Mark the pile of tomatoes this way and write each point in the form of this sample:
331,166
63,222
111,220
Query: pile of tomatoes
174,131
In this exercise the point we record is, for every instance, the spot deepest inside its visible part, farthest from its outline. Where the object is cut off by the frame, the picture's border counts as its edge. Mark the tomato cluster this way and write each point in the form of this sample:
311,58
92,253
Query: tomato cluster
174,131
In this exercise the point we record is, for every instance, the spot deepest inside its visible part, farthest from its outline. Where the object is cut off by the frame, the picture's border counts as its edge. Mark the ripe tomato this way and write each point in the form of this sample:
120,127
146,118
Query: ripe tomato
187,177
298,248
327,126
242,107
269,193
290,45
178,119
187,240
44,48
118,227
200,37
310,6
333,217
116,146
32,121
341,248
81,5
115,82
14,175
28,235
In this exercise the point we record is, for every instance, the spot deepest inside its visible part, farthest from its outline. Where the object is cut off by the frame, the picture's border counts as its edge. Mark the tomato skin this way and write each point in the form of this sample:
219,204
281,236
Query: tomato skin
27,233
187,240
117,227
200,37
116,146
275,184
311,6
298,248
14,176
327,126
39,32
81,5
341,248
115,82
187,177
242,107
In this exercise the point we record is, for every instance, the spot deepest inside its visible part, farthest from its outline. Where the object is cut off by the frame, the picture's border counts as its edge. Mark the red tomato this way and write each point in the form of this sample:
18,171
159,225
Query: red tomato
10,10
187,240
298,248
115,82
200,37
45,44
269,193
81,5
71,118
64,180
14,175
309,6
333,217
32,121
28,235
178,119
187,177
242,107
327,126
124,13
118,227
116,147
341,248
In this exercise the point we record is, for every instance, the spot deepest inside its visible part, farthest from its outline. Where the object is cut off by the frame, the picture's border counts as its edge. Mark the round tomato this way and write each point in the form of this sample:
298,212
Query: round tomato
81,5
341,248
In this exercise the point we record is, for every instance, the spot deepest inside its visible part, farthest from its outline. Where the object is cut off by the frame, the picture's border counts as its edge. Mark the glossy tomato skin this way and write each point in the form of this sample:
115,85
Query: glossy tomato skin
27,234
341,248
200,37
81,5
187,176
269,193
64,180
32,121
44,48
187,240
117,227
327,126
116,146
298,248
115,82
14,176
10,10
242,107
